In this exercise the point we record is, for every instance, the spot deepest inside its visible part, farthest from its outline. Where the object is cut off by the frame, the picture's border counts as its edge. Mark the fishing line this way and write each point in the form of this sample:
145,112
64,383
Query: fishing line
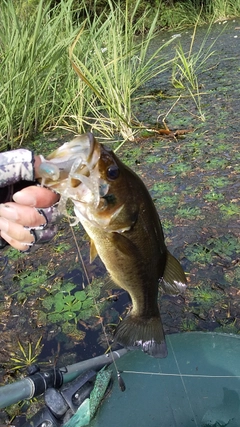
80,255
183,383
163,374
119,378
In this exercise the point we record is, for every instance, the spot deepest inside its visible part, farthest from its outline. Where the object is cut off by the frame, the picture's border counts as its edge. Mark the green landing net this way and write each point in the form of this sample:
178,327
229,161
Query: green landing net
89,407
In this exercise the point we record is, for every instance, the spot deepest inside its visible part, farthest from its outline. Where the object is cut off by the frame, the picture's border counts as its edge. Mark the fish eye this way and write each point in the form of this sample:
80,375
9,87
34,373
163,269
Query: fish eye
113,172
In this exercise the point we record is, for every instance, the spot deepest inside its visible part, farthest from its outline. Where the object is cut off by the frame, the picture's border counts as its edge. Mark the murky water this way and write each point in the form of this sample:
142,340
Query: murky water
194,182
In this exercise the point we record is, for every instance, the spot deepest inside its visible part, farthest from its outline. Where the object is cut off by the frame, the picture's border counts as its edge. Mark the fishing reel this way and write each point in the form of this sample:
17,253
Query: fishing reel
62,404
73,391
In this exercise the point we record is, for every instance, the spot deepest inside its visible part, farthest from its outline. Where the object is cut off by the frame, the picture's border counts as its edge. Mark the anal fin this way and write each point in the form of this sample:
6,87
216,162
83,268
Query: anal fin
174,279
109,284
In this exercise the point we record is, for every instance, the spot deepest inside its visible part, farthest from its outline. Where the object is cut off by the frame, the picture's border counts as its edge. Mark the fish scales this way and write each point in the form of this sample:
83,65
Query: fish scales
116,210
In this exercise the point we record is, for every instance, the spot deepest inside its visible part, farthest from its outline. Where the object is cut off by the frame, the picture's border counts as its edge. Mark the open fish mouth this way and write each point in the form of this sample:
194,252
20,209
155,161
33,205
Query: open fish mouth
72,170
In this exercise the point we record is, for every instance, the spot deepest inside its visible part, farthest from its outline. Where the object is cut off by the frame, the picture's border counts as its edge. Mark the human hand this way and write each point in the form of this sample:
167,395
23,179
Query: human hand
22,225
30,219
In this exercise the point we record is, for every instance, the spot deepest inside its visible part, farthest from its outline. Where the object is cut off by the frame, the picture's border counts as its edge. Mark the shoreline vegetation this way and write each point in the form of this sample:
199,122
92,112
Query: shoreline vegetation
77,64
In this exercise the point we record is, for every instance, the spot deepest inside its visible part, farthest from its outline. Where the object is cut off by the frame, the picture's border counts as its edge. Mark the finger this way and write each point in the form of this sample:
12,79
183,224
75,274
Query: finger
39,197
13,232
20,214
20,246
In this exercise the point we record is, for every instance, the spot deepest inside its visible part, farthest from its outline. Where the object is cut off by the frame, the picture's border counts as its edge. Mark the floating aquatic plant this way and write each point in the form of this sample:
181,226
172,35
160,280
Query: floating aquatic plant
213,196
65,305
189,212
206,296
224,246
230,209
188,325
198,253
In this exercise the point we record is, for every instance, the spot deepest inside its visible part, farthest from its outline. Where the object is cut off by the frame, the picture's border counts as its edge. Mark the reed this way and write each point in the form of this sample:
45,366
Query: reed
187,66
39,89
114,66
110,52
33,55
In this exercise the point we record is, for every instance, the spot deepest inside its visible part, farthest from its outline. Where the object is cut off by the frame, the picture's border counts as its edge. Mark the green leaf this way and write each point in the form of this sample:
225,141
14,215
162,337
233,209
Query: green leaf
87,303
68,287
80,295
48,302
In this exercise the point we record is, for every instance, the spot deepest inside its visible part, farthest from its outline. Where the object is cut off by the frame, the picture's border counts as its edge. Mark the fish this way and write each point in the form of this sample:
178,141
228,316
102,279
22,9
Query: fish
117,212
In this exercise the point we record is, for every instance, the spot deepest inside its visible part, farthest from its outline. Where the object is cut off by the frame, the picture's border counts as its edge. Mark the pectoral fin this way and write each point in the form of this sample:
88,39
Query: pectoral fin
174,279
109,284
93,251
123,244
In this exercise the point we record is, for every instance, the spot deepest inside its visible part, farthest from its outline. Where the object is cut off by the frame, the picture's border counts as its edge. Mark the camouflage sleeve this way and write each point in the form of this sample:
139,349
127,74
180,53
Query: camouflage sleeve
16,173
16,165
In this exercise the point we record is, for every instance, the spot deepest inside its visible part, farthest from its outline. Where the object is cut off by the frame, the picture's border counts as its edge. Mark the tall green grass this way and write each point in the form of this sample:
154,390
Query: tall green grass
222,9
188,65
179,14
117,64
38,87
34,67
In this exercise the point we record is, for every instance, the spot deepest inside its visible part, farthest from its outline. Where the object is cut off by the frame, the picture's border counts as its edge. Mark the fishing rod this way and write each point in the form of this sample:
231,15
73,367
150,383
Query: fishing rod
59,398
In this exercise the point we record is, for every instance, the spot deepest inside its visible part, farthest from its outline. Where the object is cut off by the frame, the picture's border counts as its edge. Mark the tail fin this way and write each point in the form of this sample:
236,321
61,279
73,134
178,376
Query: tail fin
146,333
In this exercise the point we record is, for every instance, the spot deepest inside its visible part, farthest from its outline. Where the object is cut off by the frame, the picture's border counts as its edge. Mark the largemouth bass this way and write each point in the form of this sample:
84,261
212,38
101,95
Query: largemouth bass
117,212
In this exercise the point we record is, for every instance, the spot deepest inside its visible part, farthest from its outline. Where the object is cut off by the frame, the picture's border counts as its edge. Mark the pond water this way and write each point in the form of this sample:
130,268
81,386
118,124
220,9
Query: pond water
194,181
